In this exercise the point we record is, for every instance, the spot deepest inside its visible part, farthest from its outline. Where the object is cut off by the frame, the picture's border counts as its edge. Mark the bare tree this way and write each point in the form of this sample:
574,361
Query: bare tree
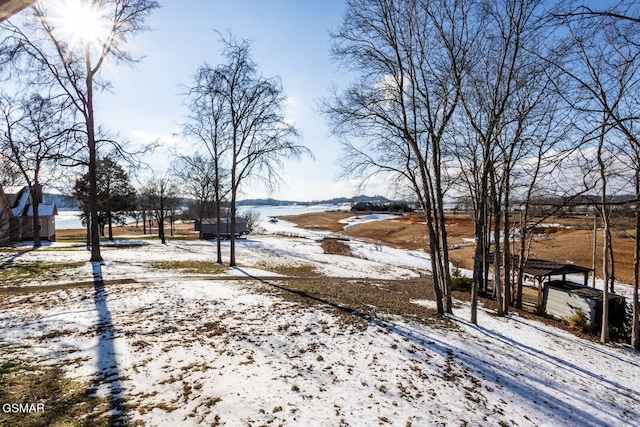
5,219
9,174
507,108
622,10
635,323
162,195
143,206
631,160
542,173
605,67
66,48
252,218
397,118
208,124
260,138
36,134
198,179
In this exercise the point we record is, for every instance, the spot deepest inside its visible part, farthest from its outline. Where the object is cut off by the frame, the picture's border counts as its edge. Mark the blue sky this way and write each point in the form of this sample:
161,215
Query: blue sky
289,38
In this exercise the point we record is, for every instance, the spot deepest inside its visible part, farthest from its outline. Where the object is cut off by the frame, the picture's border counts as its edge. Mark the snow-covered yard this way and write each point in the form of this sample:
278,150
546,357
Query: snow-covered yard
169,348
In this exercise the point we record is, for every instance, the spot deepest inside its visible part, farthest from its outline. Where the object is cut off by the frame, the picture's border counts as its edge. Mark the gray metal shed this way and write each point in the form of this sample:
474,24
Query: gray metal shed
208,227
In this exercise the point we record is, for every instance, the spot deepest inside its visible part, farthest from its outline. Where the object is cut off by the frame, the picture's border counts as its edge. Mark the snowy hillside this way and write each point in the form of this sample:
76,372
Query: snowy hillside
226,349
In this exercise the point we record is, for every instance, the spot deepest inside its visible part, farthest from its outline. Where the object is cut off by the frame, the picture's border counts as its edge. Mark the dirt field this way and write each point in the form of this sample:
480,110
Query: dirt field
573,242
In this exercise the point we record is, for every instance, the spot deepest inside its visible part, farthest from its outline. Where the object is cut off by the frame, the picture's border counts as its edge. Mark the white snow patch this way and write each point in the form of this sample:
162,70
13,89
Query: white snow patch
362,219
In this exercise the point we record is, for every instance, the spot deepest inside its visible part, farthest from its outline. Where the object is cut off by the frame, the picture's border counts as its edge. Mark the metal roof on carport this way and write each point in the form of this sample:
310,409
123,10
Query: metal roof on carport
544,268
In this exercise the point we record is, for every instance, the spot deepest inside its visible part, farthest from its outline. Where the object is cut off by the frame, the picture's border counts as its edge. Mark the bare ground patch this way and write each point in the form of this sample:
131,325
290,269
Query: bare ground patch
358,301
191,266
16,272
64,402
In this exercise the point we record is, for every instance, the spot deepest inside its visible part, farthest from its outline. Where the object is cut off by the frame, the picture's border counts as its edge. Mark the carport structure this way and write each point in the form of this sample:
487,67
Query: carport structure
543,270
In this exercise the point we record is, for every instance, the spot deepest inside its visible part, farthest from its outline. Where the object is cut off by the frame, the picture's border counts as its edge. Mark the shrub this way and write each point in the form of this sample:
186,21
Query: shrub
579,321
620,319
253,219
541,310
462,284
459,282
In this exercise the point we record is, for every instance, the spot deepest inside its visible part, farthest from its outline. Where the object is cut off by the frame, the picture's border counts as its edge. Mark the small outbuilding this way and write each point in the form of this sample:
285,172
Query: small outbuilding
542,271
563,299
208,230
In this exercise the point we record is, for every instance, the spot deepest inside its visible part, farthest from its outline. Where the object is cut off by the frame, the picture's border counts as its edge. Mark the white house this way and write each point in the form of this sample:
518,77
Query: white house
16,216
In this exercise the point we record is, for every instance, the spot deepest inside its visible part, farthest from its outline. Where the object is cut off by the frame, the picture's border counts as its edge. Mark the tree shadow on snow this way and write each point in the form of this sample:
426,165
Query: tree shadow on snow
595,347
108,371
550,395
8,259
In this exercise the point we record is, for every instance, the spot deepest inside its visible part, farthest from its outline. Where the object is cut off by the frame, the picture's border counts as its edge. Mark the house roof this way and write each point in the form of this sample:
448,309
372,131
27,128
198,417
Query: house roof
18,197
21,203
43,210
12,190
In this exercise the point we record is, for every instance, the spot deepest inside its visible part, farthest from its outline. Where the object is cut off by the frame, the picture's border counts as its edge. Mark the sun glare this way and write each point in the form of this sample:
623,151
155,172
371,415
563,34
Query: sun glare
81,21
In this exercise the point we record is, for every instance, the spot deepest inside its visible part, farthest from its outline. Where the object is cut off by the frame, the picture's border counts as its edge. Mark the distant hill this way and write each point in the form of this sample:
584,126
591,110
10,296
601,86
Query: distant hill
69,203
63,203
334,201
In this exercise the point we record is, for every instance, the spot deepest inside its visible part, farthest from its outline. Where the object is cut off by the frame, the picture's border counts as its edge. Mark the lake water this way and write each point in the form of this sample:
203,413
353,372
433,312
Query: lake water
66,220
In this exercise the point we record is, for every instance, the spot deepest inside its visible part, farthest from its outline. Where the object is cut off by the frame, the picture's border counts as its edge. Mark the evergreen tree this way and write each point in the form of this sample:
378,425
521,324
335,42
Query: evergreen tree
116,196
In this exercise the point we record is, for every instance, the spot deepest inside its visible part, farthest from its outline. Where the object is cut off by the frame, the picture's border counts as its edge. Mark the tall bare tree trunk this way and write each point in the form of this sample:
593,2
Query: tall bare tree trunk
635,333
522,252
437,195
91,142
110,225
506,251
218,214
604,333
478,263
612,275
36,198
161,222
497,275
232,207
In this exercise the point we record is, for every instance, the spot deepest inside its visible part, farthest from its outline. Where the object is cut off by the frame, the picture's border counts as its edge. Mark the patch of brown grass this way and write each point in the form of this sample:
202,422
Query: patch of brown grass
334,246
398,233
355,301
294,270
326,221
190,266
18,272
